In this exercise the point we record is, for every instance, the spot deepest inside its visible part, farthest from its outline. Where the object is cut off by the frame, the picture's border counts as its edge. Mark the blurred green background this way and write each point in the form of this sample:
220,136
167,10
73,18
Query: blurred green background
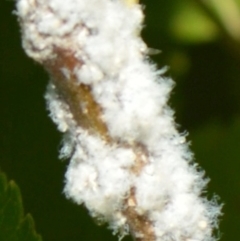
199,42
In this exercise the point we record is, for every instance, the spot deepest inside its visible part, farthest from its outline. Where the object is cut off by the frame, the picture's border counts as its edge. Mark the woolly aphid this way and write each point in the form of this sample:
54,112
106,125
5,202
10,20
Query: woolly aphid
128,163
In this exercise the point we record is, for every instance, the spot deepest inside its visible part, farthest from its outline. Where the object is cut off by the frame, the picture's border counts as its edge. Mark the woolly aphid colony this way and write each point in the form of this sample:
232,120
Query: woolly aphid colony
129,165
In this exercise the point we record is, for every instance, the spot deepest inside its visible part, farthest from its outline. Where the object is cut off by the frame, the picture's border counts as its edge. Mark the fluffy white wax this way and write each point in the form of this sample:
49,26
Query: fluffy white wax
104,34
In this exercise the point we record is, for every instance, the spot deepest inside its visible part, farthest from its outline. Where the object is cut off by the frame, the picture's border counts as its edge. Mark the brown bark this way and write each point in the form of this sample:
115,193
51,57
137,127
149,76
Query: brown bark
87,114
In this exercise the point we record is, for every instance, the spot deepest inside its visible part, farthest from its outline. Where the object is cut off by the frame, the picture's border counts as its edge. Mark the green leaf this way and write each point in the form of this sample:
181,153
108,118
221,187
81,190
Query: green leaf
13,225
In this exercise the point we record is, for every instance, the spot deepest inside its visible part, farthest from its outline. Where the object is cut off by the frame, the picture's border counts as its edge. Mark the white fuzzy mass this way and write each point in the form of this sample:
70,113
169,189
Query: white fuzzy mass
133,99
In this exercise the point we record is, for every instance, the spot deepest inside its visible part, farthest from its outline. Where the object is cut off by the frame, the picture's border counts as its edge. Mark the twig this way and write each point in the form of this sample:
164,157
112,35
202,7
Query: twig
129,166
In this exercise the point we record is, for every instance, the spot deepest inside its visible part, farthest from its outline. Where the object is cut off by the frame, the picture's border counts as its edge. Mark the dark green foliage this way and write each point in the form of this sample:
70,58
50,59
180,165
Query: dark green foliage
220,157
14,226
